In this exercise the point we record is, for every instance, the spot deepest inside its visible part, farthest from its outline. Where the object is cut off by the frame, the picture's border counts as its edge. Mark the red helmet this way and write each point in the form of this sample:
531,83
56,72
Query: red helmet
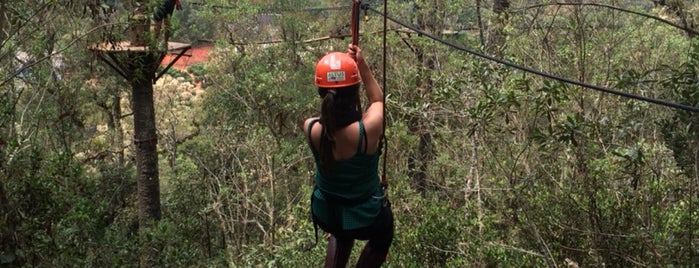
336,69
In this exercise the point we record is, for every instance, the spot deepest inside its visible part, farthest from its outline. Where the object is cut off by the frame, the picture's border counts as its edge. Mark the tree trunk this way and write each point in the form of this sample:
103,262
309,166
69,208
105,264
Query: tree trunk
692,208
3,20
140,69
497,37
481,35
679,9
146,141
141,66
418,161
500,8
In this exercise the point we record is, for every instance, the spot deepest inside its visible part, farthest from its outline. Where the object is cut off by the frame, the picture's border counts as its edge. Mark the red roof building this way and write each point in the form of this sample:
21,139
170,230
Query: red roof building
197,54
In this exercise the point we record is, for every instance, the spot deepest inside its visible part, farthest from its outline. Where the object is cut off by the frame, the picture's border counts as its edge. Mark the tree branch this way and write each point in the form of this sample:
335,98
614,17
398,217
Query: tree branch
645,15
57,52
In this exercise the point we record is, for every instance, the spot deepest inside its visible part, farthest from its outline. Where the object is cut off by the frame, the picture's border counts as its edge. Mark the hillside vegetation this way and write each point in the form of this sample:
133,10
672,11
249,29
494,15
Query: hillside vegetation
488,165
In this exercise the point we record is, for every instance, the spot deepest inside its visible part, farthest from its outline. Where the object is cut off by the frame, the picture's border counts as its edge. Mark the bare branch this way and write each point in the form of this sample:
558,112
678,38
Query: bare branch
57,52
645,15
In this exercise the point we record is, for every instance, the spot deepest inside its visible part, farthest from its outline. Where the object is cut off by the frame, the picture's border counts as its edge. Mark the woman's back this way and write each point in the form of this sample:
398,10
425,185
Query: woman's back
347,141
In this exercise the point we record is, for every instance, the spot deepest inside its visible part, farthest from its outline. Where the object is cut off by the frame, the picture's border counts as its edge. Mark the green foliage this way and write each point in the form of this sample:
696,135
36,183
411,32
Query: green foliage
177,73
197,69
519,171
435,239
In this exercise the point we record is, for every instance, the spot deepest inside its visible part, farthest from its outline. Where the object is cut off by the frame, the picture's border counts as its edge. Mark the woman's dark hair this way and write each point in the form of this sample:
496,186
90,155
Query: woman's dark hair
338,109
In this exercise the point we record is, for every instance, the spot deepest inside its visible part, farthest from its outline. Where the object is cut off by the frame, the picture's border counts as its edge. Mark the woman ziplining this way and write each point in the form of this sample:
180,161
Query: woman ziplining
349,200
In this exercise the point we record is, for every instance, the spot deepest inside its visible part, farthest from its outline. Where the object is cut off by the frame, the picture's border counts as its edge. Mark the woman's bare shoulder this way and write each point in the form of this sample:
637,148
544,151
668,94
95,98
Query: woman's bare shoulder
307,123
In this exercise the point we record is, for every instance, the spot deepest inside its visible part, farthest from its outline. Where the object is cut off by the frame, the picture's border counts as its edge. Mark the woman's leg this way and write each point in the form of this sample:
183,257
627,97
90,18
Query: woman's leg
370,258
338,251
376,249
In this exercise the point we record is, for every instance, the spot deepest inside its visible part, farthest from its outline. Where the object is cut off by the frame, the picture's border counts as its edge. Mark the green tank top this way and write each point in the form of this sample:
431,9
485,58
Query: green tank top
350,197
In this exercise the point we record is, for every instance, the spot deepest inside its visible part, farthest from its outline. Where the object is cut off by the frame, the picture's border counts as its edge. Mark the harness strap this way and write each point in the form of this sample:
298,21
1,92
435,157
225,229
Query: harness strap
362,134
313,218
315,229
310,140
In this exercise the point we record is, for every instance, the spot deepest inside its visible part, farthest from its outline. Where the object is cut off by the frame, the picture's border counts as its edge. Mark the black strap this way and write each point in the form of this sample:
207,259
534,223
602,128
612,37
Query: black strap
310,127
315,226
345,201
362,133
313,218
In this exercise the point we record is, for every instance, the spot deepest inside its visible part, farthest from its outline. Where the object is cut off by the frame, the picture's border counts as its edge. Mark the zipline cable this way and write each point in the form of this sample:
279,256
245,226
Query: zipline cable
500,61
534,71
310,9
384,178
357,6
355,22
354,30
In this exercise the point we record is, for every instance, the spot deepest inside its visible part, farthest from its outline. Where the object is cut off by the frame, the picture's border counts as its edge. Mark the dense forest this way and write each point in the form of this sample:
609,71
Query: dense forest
489,163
